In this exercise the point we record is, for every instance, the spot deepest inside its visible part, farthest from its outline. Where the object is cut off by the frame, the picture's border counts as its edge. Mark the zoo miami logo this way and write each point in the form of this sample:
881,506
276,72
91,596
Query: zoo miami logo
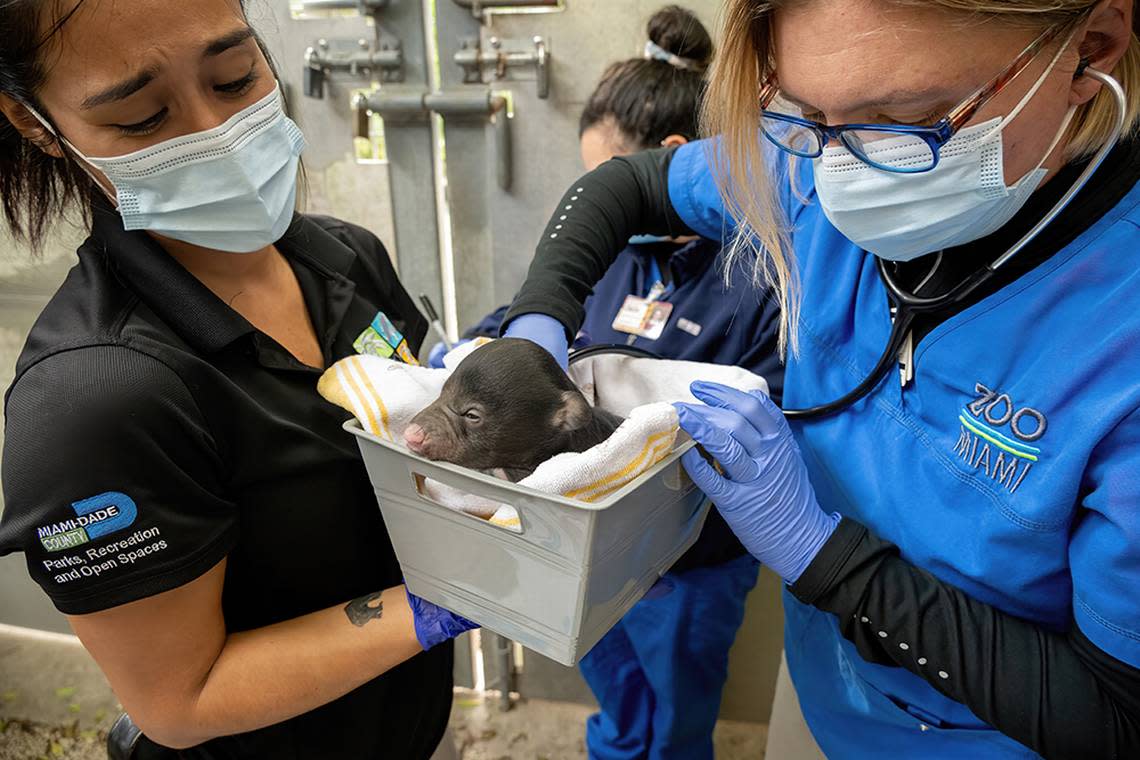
95,517
996,437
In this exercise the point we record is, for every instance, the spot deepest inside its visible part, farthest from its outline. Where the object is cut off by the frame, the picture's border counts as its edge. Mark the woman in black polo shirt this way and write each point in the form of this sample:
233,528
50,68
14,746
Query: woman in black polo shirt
175,482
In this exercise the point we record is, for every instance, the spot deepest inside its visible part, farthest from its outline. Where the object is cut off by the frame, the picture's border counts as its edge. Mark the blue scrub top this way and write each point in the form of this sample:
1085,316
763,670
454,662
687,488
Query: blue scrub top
1009,467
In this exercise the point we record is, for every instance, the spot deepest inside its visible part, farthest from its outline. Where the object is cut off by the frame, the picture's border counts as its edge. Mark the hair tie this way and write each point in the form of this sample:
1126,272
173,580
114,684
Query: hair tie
655,52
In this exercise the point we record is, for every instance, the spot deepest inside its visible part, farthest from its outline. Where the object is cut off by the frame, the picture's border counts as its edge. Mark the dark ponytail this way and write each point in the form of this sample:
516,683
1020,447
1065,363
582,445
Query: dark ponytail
647,99
680,32
35,188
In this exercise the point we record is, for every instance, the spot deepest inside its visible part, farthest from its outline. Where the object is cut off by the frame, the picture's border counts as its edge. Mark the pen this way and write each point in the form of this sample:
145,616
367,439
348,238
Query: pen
433,318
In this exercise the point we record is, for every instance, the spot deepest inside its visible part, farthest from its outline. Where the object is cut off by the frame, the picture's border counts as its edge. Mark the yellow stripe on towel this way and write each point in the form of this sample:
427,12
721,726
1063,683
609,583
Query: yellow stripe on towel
600,489
354,388
374,395
357,405
625,474
659,453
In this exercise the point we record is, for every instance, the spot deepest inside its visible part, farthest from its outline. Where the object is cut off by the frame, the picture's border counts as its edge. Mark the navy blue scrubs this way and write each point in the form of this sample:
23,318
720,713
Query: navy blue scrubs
659,673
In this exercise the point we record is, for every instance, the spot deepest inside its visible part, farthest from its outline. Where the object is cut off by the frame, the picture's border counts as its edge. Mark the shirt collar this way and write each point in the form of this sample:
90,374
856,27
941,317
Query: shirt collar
305,239
178,298
687,261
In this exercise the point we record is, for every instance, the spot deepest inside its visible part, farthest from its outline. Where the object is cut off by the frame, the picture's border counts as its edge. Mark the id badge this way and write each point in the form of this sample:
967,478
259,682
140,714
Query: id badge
642,317
381,338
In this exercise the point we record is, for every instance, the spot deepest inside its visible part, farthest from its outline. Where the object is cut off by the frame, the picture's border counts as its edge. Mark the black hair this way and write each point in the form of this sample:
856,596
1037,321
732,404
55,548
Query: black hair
647,99
35,188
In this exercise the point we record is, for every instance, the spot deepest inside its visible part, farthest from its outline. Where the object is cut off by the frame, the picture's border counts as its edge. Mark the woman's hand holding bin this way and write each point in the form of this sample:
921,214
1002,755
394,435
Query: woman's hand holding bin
435,625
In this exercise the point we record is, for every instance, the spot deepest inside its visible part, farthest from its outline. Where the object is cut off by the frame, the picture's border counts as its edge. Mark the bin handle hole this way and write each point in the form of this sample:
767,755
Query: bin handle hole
480,508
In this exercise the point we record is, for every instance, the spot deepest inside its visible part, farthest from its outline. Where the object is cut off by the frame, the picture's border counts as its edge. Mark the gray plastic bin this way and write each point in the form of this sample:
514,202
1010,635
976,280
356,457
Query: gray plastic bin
557,586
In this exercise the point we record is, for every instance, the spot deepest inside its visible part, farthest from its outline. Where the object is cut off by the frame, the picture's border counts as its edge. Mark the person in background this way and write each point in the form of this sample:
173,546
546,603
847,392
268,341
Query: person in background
658,675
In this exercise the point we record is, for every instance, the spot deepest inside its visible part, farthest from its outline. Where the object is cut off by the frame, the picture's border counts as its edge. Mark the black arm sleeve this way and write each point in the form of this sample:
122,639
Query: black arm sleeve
1057,693
623,197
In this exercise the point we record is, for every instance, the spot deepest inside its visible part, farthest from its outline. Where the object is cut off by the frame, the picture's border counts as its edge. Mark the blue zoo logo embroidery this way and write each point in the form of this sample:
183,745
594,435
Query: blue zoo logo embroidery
94,518
996,437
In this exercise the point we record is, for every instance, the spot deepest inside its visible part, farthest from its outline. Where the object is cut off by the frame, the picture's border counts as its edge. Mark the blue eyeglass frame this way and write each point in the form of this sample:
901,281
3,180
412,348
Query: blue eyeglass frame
934,136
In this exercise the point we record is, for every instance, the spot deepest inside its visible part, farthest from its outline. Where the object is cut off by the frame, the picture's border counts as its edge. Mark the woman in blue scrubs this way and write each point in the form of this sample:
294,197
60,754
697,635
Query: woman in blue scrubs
954,180
659,673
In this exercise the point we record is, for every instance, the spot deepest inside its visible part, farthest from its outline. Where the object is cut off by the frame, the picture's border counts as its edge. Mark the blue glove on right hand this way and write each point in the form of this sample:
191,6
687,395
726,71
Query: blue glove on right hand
544,330
435,625
764,495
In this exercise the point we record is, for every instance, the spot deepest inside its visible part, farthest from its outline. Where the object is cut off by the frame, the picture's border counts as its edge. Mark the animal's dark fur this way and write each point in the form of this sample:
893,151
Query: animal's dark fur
508,406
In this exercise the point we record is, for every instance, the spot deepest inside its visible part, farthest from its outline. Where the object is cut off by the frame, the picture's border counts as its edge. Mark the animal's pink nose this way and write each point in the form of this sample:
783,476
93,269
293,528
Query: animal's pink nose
415,436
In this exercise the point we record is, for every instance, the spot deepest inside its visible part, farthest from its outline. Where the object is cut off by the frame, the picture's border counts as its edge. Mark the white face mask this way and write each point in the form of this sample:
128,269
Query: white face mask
230,188
903,216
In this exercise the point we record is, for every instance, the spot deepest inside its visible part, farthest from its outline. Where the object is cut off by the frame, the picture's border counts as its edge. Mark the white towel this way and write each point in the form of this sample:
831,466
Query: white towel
382,394
385,394
619,383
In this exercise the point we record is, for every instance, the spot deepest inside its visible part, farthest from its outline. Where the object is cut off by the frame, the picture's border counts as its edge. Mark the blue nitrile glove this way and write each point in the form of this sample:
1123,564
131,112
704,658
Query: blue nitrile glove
764,495
439,350
544,330
435,625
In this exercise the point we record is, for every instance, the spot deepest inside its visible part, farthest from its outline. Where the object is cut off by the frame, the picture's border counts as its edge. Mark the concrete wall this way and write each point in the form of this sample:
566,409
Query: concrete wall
493,231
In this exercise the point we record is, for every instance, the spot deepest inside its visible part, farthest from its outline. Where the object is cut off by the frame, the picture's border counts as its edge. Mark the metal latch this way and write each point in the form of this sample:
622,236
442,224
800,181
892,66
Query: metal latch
502,55
413,107
482,9
382,59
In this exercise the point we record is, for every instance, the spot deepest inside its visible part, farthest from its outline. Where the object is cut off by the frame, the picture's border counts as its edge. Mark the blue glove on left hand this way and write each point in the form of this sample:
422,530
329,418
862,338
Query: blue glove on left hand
765,495
544,330
435,625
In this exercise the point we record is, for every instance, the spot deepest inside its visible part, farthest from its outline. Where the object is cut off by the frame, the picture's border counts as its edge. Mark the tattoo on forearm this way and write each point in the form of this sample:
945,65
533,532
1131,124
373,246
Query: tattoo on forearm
367,607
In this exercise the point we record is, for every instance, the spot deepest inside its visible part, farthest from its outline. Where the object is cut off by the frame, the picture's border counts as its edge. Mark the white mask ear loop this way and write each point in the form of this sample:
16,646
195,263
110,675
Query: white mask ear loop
1037,86
84,164
1057,138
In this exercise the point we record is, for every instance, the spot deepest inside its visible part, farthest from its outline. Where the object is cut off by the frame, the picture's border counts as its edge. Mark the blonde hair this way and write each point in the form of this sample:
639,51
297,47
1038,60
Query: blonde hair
732,111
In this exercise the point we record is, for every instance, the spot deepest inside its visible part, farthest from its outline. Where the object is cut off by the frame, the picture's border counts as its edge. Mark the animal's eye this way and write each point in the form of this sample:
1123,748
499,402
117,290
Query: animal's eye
472,416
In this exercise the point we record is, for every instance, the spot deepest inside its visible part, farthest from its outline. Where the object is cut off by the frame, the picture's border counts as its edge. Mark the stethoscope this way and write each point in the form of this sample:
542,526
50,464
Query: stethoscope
906,306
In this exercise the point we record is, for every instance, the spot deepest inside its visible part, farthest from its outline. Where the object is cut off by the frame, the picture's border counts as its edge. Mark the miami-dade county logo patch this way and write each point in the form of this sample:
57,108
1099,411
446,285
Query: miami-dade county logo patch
996,437
95,517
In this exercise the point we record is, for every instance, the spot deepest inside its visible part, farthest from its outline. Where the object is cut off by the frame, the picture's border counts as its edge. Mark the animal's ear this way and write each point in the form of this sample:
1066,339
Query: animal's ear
573,413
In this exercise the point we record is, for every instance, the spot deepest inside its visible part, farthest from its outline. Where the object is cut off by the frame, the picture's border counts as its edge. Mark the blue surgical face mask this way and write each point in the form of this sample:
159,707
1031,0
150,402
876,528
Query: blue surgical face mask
964,198
231,188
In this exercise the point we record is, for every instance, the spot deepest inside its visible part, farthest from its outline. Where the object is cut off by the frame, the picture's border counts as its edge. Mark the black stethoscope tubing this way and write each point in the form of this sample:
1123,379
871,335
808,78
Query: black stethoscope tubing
906,305
598,349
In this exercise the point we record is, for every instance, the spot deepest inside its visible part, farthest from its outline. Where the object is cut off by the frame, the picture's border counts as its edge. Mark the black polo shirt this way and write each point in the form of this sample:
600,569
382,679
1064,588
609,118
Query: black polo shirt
151,431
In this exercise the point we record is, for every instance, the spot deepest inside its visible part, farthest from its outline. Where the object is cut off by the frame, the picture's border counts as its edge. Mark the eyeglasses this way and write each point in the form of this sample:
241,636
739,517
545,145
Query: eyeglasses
876,144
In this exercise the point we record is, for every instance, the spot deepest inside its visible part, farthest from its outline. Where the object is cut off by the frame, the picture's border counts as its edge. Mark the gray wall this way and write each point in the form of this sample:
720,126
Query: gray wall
493,232
26,283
